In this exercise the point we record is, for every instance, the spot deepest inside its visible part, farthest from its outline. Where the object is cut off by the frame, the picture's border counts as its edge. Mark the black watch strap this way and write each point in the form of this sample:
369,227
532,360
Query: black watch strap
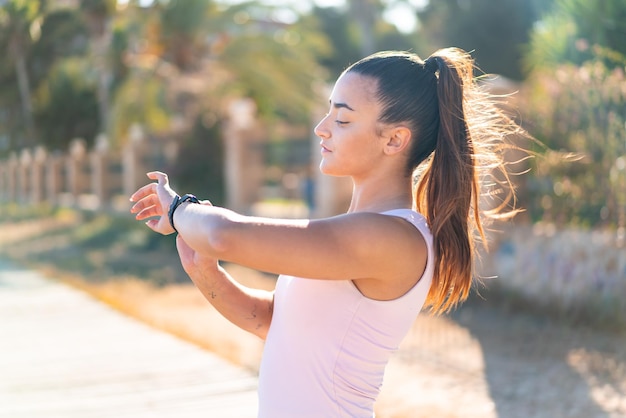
179,200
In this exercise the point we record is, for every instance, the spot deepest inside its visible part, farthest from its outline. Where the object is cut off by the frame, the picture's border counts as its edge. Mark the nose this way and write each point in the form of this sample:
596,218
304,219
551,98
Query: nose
321,130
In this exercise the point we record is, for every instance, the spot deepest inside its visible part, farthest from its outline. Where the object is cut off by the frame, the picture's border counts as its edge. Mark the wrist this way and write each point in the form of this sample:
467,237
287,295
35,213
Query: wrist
179,200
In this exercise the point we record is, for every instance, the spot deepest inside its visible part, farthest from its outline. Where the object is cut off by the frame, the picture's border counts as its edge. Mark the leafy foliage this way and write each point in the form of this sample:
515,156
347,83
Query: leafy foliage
577,31
139,100
580,110
575,102
496,31
63,35
19,27
183,25
67,106
201,160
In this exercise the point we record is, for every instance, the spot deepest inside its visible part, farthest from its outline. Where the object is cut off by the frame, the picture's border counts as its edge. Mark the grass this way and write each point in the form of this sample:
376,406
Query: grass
100,247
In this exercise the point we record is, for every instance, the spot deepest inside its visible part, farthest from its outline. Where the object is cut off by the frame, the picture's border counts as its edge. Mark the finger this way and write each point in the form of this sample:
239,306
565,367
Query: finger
148,207
148,201
141,204
152,224
158,176
143,192
148,212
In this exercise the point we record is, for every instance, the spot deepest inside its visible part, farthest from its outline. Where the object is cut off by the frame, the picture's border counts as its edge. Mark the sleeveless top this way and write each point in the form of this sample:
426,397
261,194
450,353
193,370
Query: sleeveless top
328,345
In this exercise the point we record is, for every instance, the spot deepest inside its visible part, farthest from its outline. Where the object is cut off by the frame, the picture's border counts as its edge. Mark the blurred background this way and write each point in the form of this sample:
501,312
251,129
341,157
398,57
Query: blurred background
223,95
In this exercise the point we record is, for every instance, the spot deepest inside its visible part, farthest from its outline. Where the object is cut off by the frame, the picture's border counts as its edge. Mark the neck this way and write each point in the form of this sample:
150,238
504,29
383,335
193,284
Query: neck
379,195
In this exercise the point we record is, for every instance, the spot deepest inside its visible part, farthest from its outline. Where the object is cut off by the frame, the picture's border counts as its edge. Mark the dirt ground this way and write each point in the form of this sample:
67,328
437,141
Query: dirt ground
483,361
488,362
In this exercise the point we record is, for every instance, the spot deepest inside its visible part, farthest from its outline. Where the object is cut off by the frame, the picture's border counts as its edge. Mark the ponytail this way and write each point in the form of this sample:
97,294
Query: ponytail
449,189
457,144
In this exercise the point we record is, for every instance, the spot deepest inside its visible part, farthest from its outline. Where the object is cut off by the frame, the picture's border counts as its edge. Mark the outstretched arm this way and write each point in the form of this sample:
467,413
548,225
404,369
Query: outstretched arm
249,309
384,255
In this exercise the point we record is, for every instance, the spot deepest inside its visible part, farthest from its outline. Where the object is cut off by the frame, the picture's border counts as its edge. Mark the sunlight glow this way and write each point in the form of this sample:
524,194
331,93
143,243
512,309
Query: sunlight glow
400,14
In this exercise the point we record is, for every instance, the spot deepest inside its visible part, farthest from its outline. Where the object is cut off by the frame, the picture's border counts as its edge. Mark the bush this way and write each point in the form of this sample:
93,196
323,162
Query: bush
580,110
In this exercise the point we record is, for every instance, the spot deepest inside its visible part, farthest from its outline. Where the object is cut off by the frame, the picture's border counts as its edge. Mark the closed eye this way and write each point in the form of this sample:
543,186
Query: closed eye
340,122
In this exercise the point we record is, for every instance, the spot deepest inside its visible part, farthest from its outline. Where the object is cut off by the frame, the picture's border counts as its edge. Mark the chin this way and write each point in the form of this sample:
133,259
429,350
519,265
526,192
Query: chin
332,168
327,169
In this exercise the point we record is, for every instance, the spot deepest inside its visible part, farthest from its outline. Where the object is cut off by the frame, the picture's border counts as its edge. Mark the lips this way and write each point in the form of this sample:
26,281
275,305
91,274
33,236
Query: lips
324,148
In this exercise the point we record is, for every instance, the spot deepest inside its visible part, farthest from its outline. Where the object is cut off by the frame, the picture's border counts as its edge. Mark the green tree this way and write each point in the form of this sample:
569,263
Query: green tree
63,35
273,70
202,151
577,31
495,31
120,42
342,39
67,104
98,15
365,14
19,26
183,25
140,99
344,33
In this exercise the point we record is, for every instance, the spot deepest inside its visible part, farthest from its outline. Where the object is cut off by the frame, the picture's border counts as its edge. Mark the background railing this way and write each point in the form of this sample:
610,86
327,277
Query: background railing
100,178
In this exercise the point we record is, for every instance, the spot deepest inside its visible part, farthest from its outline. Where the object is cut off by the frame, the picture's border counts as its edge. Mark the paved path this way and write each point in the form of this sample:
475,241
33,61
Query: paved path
64,354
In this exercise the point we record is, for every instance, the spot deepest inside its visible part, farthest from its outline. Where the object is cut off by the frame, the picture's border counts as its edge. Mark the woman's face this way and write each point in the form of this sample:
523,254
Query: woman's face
350,141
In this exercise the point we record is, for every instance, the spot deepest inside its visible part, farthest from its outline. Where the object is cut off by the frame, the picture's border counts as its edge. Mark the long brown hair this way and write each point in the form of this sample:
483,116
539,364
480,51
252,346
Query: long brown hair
458,140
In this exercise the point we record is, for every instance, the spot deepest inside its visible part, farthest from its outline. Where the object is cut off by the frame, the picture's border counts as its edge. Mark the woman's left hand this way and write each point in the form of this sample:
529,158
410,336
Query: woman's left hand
154,200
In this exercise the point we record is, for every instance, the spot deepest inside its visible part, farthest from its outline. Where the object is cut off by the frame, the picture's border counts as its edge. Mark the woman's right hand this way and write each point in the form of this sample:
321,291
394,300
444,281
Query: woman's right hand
194,264
154,200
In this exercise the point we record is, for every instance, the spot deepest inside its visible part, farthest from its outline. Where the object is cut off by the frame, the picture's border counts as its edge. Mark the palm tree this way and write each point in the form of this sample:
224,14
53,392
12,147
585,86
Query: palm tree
98,14
19,22
365,14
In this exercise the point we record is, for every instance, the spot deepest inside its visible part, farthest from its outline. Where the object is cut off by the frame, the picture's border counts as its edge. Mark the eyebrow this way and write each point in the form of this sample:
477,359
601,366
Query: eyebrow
342,105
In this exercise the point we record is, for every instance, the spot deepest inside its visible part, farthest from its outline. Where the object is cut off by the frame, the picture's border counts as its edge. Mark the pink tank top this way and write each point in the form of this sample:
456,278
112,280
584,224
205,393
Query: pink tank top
328,345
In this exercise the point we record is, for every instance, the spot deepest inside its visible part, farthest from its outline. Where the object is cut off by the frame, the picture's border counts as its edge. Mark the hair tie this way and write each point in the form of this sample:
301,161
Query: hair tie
431,64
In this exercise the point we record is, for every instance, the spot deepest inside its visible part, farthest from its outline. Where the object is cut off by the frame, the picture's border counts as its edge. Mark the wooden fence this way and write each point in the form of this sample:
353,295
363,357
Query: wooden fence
100,178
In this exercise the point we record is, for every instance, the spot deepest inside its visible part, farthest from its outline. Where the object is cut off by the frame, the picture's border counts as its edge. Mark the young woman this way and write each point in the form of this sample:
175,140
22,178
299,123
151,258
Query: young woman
351,286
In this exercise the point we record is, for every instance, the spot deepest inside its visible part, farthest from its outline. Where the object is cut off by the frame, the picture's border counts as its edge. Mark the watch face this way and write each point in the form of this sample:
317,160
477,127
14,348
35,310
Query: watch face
189,198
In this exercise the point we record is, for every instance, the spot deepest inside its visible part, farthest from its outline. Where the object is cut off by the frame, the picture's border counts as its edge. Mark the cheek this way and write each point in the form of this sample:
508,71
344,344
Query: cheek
344,161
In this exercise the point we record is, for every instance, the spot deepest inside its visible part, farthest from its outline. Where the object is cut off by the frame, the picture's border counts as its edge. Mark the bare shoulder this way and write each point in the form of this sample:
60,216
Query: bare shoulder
366,231
393,249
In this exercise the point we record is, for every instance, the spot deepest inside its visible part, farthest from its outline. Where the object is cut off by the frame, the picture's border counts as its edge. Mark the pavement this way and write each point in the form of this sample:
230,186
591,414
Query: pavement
64,354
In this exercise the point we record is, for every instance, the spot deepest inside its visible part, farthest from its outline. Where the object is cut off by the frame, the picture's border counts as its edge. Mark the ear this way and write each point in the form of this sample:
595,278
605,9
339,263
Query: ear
397,140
